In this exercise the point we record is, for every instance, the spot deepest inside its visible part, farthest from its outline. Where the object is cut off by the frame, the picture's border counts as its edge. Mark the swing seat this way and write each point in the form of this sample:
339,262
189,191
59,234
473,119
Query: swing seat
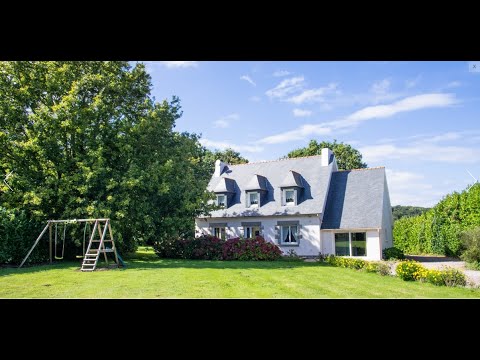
58,258
79,257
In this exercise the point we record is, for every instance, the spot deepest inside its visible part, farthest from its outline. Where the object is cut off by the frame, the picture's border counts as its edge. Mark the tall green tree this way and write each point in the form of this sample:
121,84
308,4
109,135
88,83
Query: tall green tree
228,155
85,139
347,157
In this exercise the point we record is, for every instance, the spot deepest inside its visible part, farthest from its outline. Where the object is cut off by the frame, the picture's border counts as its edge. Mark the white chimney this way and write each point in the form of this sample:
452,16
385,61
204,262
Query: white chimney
219,166
326,153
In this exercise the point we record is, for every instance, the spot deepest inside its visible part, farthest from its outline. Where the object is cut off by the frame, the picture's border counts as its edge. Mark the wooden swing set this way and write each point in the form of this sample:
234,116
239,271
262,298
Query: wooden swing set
95,247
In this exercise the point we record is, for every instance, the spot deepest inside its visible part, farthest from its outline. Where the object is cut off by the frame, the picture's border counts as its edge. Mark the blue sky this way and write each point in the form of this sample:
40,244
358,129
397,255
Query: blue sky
418,119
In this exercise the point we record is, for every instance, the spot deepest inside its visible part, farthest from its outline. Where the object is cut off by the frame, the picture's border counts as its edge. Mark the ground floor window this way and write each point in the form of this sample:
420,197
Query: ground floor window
251,231
351,244
219,232
289,234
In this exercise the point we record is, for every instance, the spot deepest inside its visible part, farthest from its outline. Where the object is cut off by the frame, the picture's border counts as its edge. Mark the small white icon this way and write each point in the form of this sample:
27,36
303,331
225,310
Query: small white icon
6,178
474,66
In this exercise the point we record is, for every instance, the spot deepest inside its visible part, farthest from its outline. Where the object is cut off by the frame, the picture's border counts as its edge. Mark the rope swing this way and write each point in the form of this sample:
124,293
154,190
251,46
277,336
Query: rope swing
85,237
63,242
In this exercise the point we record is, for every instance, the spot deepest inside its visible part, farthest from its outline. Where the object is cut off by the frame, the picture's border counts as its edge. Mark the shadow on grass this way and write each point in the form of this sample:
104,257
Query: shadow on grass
143,261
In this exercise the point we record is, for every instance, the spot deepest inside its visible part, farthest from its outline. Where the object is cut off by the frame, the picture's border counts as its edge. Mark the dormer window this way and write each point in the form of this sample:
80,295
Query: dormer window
289,197
253,199
292,188
222,201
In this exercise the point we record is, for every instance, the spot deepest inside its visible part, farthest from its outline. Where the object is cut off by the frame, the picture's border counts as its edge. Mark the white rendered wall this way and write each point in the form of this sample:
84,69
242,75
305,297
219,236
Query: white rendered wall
309,244
373,244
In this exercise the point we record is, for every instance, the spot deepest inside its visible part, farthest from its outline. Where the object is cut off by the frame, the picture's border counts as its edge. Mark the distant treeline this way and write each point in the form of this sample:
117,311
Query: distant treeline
400,211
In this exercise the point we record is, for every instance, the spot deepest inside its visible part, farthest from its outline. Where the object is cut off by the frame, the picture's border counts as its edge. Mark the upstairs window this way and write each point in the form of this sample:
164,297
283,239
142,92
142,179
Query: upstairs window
222,201
253,199
289,197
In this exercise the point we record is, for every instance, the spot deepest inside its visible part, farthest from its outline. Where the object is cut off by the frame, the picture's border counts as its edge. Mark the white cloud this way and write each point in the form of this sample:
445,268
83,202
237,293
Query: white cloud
408,188
302,132
454,84
224,122
255,98
301,112
313,95
371,112
405,179
449,136
414,152
408,104
225,145
380,87
248,79
286,87
280,73
179,64
410,83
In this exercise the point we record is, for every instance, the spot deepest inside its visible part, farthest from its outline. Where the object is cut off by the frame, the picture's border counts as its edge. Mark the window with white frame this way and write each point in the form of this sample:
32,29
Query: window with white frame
289,234
219,232
222,200
351,244
251,231
289,197
253,199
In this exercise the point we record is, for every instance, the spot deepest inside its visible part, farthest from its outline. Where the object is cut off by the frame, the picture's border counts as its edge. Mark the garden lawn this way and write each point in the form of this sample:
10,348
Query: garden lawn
147,276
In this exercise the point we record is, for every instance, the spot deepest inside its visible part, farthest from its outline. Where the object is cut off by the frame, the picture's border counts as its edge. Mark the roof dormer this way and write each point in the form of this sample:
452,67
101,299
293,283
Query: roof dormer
255,191
291,186
225,191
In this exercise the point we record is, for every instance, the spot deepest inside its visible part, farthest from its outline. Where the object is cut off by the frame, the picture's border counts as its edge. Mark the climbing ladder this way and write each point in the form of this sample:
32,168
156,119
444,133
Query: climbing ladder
97,246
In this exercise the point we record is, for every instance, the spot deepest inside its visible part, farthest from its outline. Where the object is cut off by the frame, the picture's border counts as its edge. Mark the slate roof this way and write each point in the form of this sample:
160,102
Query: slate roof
257,182
314,179
225,185
355,199
293,179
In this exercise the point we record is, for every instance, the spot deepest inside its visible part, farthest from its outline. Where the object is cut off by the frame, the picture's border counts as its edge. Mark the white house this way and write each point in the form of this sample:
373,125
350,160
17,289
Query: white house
304,204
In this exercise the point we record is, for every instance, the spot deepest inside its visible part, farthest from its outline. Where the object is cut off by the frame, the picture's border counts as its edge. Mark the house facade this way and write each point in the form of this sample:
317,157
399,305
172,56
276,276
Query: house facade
304,204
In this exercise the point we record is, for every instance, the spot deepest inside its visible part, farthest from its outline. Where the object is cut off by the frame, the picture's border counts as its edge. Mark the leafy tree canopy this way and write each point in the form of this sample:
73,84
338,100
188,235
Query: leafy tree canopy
86,139
347,157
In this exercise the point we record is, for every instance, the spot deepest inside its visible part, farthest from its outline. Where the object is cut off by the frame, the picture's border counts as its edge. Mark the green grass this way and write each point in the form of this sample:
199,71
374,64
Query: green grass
147,276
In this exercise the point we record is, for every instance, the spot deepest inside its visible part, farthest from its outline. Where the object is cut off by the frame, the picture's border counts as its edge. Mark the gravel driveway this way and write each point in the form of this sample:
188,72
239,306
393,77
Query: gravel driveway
438,262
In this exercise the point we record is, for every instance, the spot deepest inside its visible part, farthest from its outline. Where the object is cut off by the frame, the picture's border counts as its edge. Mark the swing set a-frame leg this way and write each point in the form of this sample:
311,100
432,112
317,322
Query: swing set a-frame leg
35,244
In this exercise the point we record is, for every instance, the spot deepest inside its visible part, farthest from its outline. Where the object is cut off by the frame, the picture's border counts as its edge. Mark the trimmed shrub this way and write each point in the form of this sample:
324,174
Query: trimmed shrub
471,247
453,277
393,253
410,270
378,267
345,262
432,276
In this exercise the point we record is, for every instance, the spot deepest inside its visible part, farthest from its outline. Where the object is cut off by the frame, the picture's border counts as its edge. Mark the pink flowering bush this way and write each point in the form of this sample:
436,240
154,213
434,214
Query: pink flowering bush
250,249
209,247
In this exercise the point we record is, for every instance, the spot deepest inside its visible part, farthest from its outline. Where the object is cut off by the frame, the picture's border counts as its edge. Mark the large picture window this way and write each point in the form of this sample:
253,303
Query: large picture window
351,244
